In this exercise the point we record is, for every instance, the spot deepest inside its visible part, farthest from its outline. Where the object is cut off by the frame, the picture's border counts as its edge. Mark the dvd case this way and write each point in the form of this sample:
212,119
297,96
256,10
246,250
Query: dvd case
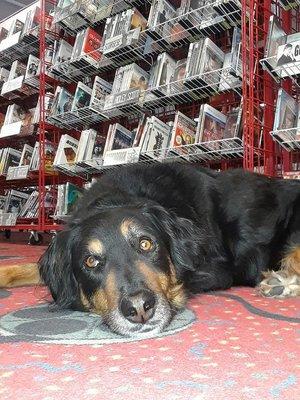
156,139
101,89
211,64
162,74
288,59
122,138
183,132
91,46
3,33
82,97
4,75
160,18
63,101
276,36
286,116
33,67
233,127
211,126
26,155
66,151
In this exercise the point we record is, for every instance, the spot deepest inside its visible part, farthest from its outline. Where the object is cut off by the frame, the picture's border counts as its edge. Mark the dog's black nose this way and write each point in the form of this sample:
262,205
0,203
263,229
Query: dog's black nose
138,308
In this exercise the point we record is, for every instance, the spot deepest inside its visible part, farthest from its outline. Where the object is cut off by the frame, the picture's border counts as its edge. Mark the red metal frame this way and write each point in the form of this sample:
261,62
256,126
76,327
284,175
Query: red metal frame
259,94
42,128
40,223
261,153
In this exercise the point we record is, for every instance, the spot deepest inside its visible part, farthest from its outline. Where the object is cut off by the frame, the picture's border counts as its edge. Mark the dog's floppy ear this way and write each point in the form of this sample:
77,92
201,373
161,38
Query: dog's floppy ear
55,267
182,236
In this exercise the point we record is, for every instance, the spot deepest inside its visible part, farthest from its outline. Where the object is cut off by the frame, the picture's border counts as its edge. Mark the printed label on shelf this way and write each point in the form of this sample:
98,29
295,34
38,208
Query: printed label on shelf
13,84
119,41
129,96
10,41
121,156
11,129
17,172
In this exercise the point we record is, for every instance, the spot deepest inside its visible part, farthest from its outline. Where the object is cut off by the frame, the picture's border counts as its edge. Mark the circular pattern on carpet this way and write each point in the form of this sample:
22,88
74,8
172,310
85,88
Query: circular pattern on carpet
4,293
41,324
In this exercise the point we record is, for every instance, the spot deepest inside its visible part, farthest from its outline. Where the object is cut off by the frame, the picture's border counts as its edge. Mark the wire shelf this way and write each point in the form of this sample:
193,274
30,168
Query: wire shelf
133,102
191,89
124,48
126,102
230,9
170,35
18,88
77,16
289,139
211,151
278,72
290,4
214,150
185,28
34,82
18,51
79,119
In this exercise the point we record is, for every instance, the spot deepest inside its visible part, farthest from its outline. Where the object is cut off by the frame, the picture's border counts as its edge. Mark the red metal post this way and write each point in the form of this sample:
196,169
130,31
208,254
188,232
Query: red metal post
41,217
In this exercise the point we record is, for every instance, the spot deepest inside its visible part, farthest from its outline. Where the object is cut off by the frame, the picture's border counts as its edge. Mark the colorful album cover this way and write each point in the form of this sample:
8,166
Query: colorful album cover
26,155
213,128
92,44
123,138
82,96
233,124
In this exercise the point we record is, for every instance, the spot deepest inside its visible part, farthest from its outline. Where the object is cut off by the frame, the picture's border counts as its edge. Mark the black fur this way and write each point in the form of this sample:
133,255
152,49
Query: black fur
219,229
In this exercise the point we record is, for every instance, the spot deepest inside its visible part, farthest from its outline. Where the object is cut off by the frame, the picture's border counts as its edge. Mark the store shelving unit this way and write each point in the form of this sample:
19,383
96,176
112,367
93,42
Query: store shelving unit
256,152
280,156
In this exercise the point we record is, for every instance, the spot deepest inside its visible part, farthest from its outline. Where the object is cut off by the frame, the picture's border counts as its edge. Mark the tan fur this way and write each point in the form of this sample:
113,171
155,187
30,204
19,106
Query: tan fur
84,301
19,275
291,262
286,281
165,284
104,300
95,246
125,226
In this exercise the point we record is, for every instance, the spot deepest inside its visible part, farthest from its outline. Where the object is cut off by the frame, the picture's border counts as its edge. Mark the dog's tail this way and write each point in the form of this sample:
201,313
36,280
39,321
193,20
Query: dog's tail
19,275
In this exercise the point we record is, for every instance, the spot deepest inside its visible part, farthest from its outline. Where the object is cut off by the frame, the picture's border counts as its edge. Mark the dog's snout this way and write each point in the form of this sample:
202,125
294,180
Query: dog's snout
139,307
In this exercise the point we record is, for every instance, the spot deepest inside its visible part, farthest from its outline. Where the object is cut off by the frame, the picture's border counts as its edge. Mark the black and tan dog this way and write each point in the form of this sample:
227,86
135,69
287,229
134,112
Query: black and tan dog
146,236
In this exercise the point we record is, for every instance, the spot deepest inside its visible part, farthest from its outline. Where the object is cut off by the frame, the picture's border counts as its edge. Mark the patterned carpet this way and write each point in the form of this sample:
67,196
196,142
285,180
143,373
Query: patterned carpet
238,347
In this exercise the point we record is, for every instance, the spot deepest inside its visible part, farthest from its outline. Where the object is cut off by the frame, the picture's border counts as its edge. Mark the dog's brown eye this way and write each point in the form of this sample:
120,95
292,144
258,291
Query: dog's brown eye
146,244
91,262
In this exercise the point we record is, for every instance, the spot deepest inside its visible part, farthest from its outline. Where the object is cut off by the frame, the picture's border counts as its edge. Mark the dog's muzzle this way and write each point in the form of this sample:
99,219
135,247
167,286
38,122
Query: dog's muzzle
143,313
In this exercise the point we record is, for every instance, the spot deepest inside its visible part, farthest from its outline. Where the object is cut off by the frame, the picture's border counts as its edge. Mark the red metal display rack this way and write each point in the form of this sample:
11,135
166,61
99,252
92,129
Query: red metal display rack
37,179
261,152
259,90
258,96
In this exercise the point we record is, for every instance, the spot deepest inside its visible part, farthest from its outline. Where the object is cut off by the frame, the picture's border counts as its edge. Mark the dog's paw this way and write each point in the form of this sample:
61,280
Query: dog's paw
279,285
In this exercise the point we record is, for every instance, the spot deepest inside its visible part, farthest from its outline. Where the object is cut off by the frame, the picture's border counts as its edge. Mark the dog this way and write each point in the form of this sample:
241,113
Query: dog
145,237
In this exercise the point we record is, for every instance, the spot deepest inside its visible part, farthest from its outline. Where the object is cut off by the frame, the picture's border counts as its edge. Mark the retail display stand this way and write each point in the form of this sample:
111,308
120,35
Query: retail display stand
233,83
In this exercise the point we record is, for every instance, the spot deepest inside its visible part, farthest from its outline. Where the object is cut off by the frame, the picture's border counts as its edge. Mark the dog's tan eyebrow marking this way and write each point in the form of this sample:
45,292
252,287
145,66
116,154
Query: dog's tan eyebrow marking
96,246
125,226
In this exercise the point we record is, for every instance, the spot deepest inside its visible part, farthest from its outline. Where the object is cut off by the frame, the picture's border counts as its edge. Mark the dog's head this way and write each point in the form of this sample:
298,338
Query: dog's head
125,263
